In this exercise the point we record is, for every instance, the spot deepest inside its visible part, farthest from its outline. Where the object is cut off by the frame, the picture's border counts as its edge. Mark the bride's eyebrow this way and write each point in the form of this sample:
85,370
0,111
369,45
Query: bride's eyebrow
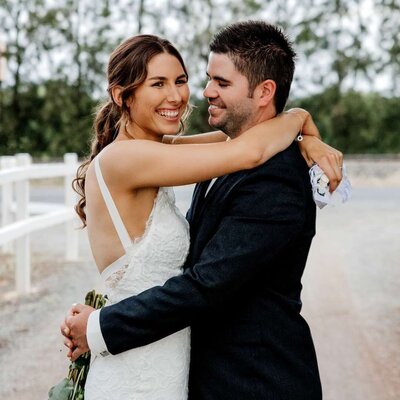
163,78
158,78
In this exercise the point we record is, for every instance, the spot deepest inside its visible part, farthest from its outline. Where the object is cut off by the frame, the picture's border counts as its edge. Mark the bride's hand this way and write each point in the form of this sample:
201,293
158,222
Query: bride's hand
328,158
315,151
74,330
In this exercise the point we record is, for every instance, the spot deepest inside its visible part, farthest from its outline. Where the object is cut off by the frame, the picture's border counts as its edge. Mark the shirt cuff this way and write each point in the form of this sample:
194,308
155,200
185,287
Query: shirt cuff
95,339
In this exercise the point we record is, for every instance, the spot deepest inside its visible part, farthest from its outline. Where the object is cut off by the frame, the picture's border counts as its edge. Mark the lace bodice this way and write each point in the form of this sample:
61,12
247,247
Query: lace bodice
153,258
158,370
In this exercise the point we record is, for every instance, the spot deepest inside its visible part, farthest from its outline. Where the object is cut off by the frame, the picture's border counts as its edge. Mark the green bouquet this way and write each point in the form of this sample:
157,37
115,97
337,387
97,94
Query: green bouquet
73,386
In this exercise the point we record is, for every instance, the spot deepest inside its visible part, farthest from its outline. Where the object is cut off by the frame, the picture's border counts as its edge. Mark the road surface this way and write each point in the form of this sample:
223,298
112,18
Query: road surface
351,301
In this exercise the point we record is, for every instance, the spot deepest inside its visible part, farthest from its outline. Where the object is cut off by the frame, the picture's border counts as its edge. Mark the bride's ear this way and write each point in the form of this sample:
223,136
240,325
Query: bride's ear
116,92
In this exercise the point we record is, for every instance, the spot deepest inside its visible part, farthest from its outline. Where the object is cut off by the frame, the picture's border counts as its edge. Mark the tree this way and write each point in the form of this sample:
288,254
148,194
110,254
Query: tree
25,23
389,41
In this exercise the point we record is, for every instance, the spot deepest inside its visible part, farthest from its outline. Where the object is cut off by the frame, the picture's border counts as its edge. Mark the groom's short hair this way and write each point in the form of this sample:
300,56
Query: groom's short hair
259,51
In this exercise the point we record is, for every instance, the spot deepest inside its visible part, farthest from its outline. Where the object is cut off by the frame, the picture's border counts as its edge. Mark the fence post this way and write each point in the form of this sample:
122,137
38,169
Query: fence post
72,243
22,249
7,162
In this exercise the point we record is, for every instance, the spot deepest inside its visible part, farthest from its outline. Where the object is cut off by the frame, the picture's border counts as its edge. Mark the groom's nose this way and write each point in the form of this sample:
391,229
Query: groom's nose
210,90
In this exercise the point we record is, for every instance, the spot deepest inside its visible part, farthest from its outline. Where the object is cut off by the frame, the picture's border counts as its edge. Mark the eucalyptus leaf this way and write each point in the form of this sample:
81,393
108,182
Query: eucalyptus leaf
62,391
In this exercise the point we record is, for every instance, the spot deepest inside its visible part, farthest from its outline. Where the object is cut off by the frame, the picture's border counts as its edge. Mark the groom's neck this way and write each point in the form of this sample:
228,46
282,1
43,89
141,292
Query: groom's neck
262,116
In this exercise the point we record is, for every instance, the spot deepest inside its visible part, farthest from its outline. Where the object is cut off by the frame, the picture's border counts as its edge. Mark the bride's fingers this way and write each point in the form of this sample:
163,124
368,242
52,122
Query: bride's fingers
336,169
329,171
64,326
77,308
64,329
68,323
68,343
76,353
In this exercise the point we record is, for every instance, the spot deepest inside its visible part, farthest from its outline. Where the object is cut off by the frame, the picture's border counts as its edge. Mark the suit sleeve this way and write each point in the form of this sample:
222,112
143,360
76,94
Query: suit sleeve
261,218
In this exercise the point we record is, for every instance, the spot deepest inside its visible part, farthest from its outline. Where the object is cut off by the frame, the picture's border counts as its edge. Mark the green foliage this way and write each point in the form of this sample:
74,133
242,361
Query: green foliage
198,121
356,122
49,122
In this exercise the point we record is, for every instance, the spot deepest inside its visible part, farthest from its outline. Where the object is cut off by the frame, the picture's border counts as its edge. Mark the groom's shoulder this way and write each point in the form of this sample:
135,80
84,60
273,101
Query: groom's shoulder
291,155
285,168
287,162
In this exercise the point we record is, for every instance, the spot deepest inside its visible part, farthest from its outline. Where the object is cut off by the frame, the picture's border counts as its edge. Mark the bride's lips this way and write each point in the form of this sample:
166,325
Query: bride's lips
169,114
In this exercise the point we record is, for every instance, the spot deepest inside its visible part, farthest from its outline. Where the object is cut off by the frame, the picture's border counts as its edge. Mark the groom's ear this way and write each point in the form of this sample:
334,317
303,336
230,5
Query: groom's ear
264,92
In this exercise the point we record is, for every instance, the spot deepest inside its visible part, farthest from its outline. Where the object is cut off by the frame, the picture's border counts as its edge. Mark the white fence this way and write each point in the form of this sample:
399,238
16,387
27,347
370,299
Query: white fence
20,217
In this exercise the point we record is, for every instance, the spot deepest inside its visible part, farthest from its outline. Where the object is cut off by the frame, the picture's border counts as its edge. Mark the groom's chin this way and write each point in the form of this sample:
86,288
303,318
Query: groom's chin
212,122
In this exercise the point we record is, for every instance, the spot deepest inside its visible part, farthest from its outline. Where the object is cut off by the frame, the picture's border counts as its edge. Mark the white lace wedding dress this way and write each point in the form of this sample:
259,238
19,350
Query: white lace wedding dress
158,371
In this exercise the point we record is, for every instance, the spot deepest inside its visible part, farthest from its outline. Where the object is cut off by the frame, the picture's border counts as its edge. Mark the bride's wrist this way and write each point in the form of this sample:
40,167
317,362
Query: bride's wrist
300,117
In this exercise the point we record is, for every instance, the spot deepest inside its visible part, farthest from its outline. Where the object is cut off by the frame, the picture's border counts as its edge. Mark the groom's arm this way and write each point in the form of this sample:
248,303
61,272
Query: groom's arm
254,230
266,213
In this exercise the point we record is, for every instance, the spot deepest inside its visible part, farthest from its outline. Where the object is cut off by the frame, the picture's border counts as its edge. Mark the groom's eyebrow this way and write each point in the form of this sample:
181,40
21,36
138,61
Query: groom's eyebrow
218,78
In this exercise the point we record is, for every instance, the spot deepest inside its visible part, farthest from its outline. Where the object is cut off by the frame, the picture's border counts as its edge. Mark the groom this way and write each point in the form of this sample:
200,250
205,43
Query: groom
250,236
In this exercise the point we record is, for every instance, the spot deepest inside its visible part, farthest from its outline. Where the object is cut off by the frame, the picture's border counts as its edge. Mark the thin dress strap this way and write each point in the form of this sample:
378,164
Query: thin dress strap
112,209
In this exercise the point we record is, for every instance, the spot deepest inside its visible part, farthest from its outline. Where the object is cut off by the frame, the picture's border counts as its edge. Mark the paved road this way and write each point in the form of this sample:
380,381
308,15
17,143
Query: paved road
351,301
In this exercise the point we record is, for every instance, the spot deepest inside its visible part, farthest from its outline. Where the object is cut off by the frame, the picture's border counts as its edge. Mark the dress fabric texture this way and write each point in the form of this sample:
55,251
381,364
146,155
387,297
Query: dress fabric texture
159,370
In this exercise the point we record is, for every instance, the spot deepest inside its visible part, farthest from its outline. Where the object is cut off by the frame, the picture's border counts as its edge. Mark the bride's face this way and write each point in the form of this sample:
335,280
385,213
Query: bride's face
159,103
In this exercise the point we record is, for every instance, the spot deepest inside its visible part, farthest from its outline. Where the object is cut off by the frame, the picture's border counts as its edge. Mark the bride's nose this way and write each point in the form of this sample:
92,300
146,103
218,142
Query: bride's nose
174,95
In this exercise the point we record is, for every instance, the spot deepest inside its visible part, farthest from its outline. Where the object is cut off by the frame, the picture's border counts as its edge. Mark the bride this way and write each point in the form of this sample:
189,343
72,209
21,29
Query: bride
138,237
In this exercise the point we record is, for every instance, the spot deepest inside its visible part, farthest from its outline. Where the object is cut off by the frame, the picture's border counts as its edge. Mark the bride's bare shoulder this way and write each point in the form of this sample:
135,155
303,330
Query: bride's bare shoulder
121,160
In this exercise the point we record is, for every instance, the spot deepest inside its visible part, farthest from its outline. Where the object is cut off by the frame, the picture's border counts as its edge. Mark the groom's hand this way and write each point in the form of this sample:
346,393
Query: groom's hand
74,330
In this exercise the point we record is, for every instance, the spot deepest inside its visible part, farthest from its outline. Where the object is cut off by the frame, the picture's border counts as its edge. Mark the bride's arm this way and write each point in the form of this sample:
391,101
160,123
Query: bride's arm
198,138
144,163
313,149
219,136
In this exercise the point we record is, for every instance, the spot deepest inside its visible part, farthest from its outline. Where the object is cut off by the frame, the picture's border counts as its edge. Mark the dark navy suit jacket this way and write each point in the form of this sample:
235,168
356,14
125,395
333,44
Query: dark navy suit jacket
240,290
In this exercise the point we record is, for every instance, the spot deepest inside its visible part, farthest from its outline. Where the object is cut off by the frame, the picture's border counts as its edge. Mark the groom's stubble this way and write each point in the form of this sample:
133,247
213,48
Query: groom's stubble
237,118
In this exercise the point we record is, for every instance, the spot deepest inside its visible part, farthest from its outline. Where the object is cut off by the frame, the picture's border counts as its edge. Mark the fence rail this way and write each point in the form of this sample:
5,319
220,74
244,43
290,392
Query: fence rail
17,222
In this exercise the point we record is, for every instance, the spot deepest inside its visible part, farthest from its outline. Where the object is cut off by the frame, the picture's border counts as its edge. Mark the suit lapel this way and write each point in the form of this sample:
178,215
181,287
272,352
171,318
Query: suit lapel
197,200
219,190
202,205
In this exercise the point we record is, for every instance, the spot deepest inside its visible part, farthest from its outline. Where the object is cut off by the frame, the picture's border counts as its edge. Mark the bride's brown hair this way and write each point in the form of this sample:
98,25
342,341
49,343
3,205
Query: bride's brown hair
127,68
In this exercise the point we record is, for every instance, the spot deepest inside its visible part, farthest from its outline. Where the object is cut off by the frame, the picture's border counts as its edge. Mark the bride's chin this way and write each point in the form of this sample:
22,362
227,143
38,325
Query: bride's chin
172,131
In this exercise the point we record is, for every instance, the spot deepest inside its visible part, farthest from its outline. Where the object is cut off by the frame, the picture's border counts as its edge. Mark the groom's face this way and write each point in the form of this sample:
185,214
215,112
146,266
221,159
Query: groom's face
231,109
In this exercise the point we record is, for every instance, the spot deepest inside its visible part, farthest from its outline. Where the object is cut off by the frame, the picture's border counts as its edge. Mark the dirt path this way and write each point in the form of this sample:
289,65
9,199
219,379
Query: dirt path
32,356
351,300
